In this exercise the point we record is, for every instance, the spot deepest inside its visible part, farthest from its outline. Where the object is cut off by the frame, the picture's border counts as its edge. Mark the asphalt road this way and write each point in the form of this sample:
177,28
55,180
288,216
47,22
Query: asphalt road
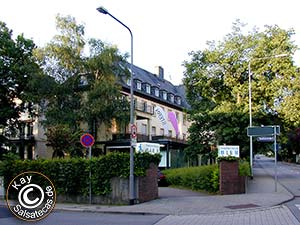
82,218
288,175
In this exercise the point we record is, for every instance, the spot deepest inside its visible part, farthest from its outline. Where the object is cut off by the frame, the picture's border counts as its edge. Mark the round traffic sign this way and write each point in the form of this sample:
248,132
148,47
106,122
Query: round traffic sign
87,140
133,131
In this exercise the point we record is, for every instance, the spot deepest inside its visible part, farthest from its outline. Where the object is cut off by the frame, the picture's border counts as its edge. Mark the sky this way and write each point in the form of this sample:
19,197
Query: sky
164,31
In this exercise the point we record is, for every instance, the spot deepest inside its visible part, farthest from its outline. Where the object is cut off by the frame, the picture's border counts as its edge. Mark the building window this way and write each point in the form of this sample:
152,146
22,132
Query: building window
156,92
162,132
164,95
144,129
177,117
148,88
178,100
138,85
170,133
153,131
171,97
184,119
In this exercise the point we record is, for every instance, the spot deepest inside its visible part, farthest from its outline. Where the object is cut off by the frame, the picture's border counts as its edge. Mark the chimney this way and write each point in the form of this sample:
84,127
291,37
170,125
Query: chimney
159,72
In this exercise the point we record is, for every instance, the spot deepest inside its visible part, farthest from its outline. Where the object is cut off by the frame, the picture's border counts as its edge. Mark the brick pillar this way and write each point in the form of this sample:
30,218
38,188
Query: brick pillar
147,186
230,181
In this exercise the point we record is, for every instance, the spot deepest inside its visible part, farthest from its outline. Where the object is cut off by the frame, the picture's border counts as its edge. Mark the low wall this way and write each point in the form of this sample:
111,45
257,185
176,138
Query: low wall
146,190
2,191
230,181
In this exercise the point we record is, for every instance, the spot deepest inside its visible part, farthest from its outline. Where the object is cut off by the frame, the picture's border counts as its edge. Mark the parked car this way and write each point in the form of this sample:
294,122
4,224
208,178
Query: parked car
161,179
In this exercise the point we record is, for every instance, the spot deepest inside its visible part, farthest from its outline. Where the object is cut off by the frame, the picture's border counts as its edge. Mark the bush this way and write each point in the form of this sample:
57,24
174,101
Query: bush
195,178
71,176
244,168
204,178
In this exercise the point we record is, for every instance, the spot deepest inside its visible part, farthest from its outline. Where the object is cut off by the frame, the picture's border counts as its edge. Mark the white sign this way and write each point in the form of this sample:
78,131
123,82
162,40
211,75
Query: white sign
229,150
152,148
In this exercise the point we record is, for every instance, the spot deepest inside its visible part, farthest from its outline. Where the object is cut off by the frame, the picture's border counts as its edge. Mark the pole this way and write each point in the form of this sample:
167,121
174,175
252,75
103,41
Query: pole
250,103
275,164
250,117
90,175
131,167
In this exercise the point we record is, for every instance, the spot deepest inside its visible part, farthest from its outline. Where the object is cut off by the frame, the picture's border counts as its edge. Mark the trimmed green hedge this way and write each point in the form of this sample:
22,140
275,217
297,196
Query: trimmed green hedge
204,178
195,178
71,176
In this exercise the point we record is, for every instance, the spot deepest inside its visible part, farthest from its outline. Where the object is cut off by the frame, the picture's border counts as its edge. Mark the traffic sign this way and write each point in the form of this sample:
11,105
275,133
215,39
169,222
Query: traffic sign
87,140
133,131
263,131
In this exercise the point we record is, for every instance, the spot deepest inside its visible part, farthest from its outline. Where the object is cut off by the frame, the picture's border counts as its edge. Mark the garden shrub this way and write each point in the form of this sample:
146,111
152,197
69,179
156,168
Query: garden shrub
71,176
204,178
195,178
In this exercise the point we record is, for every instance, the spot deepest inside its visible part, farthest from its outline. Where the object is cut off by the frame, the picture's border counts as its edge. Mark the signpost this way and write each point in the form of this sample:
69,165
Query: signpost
267,134
87,140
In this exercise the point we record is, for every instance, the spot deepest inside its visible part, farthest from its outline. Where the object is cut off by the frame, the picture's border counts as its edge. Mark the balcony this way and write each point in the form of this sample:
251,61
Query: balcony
145,138
143,107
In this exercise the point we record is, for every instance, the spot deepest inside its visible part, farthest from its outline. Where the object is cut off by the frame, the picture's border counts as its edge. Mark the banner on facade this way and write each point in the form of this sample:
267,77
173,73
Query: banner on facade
172,117
160,114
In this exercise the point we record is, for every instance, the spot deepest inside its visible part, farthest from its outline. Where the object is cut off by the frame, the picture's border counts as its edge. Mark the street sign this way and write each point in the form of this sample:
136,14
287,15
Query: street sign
263,131
133,131
87,140
265,139
229,150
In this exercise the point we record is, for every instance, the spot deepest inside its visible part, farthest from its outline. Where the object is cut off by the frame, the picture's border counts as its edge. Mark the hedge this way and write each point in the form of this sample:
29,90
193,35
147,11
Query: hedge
204,178
71,176
195,178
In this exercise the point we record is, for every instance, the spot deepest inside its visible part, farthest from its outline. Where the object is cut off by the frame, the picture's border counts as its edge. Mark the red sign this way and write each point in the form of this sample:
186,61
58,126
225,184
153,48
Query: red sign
87,140
133,131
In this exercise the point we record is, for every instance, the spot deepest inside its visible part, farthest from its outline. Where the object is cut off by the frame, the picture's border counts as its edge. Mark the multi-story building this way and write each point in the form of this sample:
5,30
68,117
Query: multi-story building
153,96
159,115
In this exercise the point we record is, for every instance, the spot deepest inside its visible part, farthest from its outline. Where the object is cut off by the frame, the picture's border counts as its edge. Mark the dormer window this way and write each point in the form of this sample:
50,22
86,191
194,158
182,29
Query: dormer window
164,95
171,98
138,85
156,92
178,100
147,88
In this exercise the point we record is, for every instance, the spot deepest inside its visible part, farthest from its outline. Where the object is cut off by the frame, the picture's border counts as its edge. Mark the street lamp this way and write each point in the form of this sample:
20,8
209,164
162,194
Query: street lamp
250,101
131,175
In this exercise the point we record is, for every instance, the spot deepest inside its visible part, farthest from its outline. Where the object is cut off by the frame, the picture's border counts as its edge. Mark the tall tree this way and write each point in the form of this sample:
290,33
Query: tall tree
217,82
86,88
18,68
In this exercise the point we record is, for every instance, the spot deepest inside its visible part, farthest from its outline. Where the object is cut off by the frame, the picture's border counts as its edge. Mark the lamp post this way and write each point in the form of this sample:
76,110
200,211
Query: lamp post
131,175
250,101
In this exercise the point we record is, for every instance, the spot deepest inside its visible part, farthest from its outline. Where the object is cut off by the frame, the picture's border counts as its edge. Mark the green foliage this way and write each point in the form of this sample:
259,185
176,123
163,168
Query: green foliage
203,178
18,68
63,140
216,81
71,176
244,168
86,87
227,158
195,178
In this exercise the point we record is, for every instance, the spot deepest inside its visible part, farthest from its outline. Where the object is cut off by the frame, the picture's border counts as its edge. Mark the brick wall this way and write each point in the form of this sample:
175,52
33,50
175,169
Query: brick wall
230,181
147,186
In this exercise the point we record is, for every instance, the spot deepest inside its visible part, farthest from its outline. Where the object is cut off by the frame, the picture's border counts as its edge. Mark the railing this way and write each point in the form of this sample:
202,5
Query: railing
143,107
144,138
